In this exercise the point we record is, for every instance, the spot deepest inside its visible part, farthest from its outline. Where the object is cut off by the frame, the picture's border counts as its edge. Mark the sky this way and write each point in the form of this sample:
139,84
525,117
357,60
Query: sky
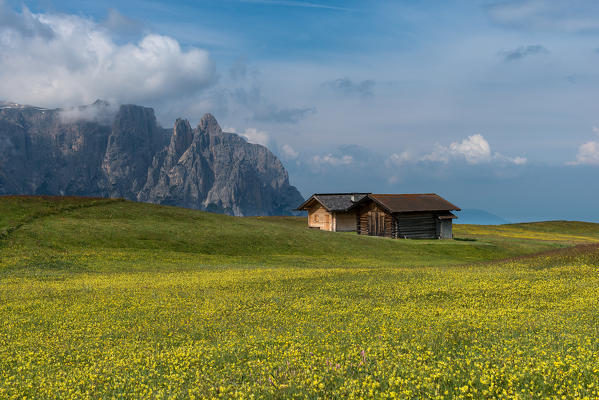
491,104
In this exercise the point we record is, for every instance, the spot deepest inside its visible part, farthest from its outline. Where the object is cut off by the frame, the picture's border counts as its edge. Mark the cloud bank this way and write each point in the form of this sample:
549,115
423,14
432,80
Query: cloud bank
473,150
355,168
332,160
255,136
63,60
101,112
588,154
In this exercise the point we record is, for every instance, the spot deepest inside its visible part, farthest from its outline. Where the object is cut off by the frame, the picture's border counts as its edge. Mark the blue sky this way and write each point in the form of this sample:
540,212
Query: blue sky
492,104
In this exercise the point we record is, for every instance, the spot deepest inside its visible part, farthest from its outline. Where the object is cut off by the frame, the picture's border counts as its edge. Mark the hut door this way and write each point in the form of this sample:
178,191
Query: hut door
376,224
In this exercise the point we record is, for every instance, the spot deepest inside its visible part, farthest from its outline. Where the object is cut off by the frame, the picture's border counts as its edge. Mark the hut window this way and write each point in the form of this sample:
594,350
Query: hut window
315,217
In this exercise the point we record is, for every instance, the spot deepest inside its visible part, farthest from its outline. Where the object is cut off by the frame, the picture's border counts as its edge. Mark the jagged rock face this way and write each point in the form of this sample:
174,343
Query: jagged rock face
220,171
134,158
134,139
41,155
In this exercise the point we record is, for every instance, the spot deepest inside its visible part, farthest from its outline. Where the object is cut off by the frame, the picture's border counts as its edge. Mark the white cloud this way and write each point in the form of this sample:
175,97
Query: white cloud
500,158
289,152
101,112
332,160
399,158
61,60
519,160
253,135
474,150
588,153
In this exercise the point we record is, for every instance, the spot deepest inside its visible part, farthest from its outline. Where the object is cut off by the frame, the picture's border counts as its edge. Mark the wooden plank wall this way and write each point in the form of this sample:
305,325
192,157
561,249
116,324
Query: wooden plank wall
363,220
344,221
445,229
417,226
319,217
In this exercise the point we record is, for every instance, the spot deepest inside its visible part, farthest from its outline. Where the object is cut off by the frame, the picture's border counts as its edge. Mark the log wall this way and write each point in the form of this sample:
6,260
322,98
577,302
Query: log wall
373,220
417,226
371,214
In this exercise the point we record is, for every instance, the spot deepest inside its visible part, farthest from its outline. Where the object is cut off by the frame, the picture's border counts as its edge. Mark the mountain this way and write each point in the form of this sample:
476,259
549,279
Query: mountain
479,217
121,152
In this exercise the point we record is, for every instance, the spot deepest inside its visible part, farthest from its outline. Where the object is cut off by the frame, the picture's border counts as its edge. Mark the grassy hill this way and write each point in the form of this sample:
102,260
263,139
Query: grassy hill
106,298
113,235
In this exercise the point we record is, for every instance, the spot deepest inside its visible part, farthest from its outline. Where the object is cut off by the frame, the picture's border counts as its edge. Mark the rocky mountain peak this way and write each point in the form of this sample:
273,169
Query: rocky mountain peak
72,152
132,118
181,138
101,103
209,125
133,141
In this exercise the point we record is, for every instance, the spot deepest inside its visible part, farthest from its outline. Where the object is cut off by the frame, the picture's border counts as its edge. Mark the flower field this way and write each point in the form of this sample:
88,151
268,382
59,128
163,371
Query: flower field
123,300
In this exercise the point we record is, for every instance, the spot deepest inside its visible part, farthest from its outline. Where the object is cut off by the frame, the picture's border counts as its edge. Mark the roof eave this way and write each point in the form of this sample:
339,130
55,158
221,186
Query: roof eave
379,203
427,210
455,208
303,206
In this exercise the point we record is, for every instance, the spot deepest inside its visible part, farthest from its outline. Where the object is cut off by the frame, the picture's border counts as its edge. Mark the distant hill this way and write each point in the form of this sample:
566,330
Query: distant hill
103,150
479,217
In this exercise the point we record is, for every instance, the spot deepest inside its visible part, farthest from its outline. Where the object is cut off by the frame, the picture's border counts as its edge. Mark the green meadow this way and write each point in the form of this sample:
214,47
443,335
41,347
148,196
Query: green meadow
112,299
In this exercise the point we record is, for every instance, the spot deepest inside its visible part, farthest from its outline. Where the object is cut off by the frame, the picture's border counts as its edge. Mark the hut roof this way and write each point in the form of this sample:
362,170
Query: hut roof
413,202
333,201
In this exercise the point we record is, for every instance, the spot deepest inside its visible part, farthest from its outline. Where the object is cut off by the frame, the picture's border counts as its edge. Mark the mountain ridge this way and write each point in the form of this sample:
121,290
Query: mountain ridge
122,152
479,217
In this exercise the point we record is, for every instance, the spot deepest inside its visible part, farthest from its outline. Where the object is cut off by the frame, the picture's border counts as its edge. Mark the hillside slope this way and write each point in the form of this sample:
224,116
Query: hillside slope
102,234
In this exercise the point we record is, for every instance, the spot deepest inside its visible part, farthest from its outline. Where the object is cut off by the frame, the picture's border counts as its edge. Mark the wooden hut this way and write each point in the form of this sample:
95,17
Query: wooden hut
333,211
412,216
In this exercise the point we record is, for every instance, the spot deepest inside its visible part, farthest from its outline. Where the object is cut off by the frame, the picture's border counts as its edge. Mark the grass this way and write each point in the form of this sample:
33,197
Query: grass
111,235
104,298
